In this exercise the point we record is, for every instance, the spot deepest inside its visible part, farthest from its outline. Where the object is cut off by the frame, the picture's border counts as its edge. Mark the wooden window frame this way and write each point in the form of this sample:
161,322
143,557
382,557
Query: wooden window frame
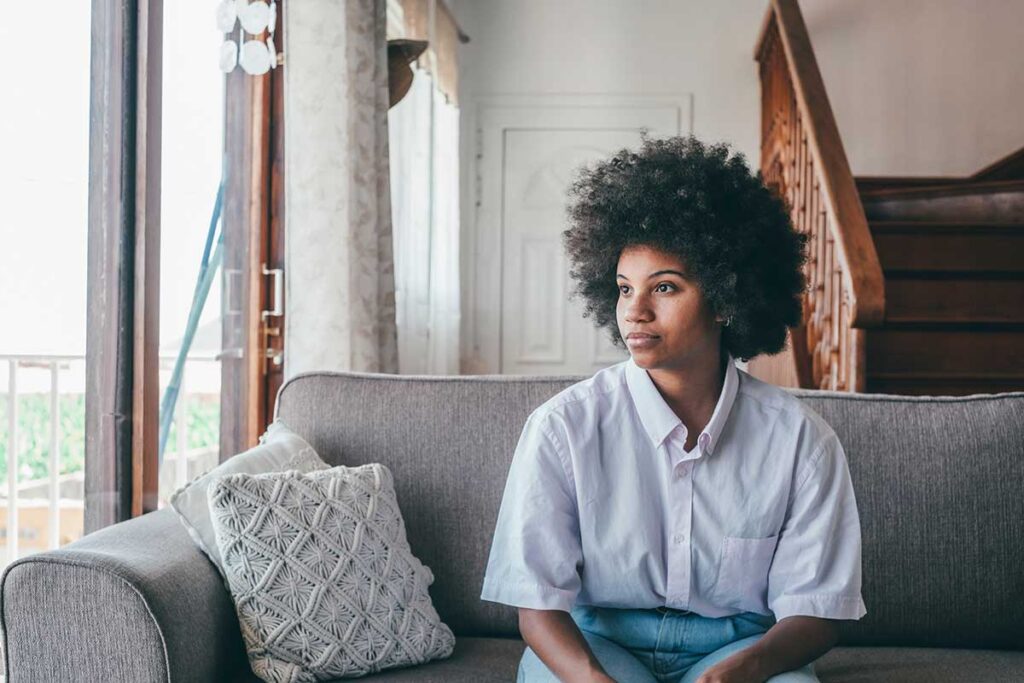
123,260
122,338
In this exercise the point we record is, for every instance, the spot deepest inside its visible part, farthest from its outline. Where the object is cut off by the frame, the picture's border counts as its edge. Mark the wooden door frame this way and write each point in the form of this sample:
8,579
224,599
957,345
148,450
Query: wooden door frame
122,394
254,244
273,327
245,150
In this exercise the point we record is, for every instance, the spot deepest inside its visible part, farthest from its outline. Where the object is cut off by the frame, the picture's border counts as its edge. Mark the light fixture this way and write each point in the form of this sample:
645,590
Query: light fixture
401,53
255,56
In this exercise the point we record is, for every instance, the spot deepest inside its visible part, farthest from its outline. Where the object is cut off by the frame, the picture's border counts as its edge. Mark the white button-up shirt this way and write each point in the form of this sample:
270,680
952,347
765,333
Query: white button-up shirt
603,506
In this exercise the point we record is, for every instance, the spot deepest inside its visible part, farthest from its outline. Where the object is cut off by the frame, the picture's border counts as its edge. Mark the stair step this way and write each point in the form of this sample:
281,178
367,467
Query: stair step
954,300
942,385
975,202
872,189
869,186
952,252
980,326
946,350
956,246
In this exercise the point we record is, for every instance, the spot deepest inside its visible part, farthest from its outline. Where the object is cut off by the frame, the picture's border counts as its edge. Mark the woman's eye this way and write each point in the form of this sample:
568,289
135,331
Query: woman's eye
623,289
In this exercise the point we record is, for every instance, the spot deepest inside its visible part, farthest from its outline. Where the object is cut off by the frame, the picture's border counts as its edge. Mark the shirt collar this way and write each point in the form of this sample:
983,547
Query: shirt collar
659,419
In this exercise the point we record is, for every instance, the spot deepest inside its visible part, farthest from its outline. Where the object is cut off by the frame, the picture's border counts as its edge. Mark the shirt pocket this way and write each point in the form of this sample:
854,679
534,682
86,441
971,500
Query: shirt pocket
743,573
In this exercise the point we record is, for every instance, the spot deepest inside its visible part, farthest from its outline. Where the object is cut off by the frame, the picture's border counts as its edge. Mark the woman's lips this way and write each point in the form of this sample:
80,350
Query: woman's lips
642,342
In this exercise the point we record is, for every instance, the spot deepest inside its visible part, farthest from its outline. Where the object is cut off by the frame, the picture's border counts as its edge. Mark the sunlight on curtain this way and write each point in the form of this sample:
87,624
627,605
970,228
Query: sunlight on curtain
340,287
443,349
424,155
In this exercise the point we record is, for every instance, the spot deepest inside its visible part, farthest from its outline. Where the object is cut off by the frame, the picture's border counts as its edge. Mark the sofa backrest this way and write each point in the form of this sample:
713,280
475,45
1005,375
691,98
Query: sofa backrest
939,485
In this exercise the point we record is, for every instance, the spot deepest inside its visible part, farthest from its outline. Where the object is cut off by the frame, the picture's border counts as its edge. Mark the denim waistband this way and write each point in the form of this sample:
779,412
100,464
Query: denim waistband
667,631
766,621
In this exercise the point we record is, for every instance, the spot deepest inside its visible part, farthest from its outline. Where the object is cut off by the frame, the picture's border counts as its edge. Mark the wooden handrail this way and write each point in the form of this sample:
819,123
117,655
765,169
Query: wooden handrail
856,248
802,156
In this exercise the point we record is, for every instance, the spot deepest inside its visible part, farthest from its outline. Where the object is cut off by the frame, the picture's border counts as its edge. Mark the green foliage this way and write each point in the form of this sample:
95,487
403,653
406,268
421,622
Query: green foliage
34,432
203,423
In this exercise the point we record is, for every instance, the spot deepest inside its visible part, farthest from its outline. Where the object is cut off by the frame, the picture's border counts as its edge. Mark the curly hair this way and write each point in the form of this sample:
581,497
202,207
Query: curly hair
696,201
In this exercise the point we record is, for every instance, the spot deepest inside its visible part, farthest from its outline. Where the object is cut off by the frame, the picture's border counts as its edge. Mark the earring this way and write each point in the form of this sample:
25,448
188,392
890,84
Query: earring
728,321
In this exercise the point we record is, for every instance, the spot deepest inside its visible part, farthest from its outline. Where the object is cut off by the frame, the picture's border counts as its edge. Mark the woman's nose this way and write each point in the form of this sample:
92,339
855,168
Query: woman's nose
637,310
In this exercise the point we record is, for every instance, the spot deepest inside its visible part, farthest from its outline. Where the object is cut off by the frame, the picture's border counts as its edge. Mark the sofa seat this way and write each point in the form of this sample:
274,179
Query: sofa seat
918,665
475,660
496,659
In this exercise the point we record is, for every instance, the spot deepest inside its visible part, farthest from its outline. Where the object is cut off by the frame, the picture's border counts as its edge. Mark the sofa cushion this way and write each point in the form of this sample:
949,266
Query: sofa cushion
918,665
322,576
444,439
279,449
937,482
497,659
474,660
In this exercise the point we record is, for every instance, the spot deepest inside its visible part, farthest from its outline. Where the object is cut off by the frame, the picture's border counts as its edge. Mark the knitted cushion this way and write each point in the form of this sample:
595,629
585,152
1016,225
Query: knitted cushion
279,449
324,582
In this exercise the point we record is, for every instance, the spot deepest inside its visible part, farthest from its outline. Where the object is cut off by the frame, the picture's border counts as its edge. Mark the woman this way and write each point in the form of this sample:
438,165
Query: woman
673,518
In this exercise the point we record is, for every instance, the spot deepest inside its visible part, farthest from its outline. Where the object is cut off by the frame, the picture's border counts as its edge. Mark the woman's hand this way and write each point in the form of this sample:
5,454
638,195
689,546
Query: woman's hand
741,667
602,678
558,643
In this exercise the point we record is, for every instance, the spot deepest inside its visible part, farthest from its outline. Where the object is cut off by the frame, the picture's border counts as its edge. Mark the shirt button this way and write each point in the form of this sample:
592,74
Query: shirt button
678,538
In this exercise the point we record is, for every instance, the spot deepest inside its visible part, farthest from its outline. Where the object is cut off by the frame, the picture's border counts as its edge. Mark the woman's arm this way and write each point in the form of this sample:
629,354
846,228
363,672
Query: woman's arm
557,641
793,642
789,644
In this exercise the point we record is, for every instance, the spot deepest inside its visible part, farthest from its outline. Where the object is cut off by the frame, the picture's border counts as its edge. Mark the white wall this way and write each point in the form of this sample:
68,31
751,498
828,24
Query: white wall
620,46
922,87
919,87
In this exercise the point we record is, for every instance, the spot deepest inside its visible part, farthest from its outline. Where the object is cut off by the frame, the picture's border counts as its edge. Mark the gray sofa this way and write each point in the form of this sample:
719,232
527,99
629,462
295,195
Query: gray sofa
939,483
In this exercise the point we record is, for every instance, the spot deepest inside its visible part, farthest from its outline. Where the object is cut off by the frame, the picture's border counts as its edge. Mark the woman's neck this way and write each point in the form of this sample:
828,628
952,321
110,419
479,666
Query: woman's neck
692,391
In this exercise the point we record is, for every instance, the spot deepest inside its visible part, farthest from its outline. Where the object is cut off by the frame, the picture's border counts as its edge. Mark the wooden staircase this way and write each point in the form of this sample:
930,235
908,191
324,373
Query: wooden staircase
915,285
952,255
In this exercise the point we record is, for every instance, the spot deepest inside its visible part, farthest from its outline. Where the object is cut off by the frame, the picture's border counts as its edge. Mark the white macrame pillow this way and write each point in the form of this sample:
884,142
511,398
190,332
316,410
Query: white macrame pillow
279,449
324,582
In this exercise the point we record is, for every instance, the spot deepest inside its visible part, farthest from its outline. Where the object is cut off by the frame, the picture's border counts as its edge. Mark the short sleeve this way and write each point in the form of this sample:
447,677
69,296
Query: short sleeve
816,570
536,556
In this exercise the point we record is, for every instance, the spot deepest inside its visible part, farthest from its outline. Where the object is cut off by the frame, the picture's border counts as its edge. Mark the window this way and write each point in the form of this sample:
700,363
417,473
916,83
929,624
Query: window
116,161
44,191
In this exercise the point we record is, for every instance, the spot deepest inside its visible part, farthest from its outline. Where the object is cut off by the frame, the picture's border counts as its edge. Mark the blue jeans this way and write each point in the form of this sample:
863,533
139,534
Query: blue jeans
661,645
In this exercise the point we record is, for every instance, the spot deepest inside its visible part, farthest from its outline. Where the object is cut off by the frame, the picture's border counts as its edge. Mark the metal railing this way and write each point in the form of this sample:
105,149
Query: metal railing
177,461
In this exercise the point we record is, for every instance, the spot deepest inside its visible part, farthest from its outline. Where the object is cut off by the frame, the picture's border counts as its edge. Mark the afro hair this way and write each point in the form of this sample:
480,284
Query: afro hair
700,202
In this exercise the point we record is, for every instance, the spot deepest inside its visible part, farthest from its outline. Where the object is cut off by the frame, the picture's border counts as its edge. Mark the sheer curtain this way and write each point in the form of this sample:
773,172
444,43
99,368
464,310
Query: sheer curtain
339,261
424,159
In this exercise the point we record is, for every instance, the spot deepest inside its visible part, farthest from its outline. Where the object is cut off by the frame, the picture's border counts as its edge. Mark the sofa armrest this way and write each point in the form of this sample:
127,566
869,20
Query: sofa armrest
136,601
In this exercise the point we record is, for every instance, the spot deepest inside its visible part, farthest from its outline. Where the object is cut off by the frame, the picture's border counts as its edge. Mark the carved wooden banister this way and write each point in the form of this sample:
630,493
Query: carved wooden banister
803,158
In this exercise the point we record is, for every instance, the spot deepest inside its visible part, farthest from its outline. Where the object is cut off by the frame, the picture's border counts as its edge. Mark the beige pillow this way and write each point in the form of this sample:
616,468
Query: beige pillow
324,582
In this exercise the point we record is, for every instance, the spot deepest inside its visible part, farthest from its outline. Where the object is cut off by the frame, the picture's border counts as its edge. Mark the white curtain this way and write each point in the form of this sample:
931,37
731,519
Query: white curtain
339,272
443,351
424,155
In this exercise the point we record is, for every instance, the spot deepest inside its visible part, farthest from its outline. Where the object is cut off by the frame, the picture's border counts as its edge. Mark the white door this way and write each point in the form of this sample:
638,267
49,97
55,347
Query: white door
524,321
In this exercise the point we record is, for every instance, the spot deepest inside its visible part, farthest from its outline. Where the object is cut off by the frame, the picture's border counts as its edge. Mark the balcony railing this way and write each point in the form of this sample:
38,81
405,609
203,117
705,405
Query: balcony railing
43,513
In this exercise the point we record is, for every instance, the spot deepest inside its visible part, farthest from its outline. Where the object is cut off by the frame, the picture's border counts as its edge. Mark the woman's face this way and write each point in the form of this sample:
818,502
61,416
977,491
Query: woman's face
656,298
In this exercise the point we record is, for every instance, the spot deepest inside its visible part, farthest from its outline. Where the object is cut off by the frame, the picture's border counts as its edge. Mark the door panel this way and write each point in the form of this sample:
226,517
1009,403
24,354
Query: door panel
521,319
543,332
